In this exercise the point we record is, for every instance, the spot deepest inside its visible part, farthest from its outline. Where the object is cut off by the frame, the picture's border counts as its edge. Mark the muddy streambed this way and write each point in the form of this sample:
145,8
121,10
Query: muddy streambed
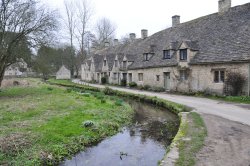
142,143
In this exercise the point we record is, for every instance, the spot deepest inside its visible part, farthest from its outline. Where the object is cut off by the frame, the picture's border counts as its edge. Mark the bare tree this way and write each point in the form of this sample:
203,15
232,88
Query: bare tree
125,39
22,21
84,12
105,32
71,25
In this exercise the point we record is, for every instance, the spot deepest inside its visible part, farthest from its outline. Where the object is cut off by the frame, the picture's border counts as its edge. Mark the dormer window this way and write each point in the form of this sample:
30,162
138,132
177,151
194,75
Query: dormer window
166,54
146,57
104,62
183,54
124,64
116,63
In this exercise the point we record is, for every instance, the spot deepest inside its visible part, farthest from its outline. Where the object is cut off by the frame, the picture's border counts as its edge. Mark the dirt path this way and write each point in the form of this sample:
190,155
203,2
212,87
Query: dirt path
228,125
227,144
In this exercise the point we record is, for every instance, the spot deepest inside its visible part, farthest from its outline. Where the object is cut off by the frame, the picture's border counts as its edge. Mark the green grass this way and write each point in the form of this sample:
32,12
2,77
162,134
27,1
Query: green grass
43,124
194,132
235,99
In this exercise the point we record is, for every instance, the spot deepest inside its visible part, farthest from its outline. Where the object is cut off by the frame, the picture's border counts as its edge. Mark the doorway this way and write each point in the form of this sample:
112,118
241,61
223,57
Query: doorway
167,80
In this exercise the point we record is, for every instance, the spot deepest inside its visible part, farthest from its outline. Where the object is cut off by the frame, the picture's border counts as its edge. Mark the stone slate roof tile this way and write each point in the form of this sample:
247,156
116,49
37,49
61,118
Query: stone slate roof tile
218,38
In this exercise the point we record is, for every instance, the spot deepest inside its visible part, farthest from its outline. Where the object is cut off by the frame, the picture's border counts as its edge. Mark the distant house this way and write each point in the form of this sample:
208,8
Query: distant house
63,74
18,69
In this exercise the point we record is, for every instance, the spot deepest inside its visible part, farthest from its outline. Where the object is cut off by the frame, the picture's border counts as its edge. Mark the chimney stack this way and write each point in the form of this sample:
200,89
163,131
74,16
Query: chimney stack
224,5
175,20
116,42
132,37
106,44
144,33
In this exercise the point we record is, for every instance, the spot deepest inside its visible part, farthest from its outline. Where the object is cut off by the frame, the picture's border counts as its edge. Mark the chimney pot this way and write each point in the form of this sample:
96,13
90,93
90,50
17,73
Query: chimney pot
144,33
106,44
224,5
116,42
175,20
132,36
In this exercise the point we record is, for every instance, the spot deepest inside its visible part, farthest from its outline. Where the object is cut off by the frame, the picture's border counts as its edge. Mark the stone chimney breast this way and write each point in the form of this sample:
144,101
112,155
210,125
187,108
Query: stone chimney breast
106,44
116,42
175,20
224,5
132,36
144,33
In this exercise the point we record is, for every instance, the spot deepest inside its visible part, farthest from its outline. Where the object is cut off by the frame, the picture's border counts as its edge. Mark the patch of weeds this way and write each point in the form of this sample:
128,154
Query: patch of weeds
196,132
119,102
50,88
88,123
103,101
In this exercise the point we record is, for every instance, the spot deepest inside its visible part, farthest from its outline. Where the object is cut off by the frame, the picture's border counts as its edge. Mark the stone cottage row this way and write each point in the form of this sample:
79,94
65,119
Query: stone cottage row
190,56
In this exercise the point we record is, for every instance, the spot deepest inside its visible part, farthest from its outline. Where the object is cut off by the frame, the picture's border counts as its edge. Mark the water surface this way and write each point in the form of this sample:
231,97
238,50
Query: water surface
142,144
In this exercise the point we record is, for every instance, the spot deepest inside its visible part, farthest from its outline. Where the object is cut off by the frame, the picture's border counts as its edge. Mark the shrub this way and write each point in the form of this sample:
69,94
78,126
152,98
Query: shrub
16,83
108,91
147,87
123,82
234,83
118,102
88,123
140,87
104,80
50,89
103,101
132,84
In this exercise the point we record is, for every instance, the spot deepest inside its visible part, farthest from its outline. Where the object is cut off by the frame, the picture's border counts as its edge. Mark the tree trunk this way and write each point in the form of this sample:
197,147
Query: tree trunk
2,70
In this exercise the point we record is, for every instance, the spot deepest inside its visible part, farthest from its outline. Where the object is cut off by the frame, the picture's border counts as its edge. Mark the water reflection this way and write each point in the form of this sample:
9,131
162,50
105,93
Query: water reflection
143,143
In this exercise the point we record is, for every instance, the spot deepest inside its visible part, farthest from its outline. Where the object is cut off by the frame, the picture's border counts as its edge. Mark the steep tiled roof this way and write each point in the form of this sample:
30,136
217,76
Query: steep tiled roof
218,38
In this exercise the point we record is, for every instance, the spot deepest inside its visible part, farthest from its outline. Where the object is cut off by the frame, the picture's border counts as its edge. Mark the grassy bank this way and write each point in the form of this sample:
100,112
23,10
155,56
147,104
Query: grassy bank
43,124
171,106
190,139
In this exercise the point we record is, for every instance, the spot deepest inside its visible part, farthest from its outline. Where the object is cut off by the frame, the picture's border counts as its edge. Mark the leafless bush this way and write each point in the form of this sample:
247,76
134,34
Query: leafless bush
234,83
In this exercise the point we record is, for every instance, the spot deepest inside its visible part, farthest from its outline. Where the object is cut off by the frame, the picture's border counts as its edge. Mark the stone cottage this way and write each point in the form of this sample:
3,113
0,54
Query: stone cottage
63,73
191,56
18,69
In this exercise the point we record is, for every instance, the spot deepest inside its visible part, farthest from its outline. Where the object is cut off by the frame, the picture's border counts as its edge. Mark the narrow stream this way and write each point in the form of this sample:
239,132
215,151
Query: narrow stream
142,144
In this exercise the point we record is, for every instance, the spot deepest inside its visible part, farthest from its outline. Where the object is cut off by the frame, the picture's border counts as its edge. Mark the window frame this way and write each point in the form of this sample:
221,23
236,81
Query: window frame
105,63
166,54
183,75
219,77
116,63
157,78
140,77
146,57
183,57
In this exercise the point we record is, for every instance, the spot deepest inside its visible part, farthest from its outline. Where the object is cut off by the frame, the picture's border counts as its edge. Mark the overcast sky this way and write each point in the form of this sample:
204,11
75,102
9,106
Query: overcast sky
130,16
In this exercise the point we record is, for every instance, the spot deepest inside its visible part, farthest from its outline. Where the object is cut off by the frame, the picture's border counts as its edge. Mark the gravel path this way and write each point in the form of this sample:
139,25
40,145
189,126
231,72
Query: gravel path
228,124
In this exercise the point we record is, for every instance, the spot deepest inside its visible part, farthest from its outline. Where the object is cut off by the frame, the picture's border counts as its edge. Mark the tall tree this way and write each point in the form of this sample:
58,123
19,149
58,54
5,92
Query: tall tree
70,21
84,12
105,32
22,21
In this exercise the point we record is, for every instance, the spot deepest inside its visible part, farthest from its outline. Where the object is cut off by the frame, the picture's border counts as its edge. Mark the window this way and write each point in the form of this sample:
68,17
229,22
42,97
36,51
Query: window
115,76
183,75
145,57
140,76
166,54
219,76
158,78
183,54
124,64
105,62
116,63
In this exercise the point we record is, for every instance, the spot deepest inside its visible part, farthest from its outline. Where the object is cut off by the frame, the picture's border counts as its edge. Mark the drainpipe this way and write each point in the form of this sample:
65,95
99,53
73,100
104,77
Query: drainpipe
248,89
